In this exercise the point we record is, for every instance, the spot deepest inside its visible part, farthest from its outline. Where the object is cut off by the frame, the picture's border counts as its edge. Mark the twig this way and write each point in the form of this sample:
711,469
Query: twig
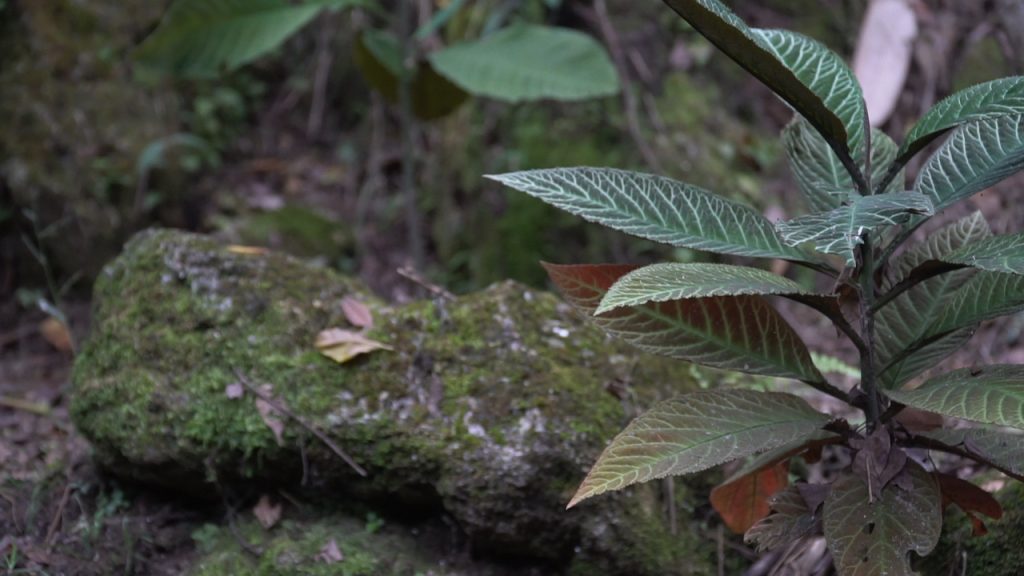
302,421
411,274
305,463
830,309
51,533
324,59
720,537
409,129
670,493
918,275
14,511
246,546
932,444
629,101
25,405
16,334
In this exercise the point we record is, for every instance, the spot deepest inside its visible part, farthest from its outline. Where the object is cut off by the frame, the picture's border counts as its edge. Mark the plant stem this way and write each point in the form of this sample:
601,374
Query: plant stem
825,388
408,127
917,441
867,317
915,278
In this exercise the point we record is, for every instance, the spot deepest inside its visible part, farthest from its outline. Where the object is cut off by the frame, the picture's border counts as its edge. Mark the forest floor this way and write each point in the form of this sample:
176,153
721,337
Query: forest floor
59,514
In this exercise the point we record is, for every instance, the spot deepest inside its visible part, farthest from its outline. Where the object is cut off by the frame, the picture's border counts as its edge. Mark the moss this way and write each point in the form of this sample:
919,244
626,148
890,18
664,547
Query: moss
175,318
295,548
998,553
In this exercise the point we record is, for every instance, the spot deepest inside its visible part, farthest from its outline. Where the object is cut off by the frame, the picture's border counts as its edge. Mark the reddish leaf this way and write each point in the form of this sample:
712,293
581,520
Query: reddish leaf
356,312
970,499
742,333
916,420
744,501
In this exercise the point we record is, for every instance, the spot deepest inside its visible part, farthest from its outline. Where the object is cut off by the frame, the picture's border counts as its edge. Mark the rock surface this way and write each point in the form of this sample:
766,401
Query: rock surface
488,410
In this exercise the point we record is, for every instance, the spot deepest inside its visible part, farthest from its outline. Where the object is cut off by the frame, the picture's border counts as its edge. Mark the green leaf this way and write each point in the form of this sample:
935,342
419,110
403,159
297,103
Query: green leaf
205,38
822,179
1003,97
656,208
697,431
907,320
870,533
527,62
996,254
741,333
989,394
883,154
977,155
805,74
1001,448
378,55
664,282
440,18
839,231
790,520
772,457
985,296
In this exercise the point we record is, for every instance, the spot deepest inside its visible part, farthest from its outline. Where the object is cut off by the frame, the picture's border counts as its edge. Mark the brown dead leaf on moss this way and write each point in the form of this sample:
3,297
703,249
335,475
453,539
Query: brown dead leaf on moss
357,313
344,345
247,250
267,513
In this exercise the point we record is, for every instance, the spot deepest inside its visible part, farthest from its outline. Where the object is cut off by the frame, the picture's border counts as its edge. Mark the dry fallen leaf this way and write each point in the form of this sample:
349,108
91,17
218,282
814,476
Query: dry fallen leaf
884,53
247,250
267,513
234,391
330,553
56,333
270,415
356,312
343,345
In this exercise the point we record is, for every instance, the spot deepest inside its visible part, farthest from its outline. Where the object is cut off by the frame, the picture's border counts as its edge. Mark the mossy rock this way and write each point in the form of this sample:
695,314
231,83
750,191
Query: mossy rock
489,408
998,553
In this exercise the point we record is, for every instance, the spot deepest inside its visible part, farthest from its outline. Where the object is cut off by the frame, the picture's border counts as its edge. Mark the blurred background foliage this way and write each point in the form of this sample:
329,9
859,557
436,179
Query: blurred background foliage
297,150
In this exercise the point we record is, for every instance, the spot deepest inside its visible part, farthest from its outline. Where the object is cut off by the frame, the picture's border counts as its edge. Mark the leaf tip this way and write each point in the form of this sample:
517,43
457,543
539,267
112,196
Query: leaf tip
501,178
582,494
